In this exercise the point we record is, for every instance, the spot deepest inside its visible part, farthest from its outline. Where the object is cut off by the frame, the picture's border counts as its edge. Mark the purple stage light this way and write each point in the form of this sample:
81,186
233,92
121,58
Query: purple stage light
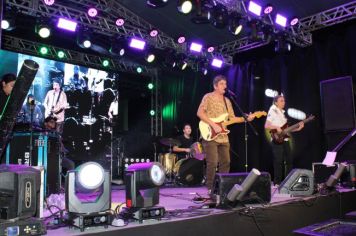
294,21
92,12
254,8
281,20
217,63
211,49
48,2
268,9
181,39
137,43
67,24
196,47
154,33
120,22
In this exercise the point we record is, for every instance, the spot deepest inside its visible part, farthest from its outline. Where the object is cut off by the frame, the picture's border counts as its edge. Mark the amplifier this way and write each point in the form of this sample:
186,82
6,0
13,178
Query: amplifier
31,226
45,152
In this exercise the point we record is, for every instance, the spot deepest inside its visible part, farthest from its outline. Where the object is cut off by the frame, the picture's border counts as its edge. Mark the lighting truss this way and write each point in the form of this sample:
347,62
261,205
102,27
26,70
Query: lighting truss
299,35
104,23
74,57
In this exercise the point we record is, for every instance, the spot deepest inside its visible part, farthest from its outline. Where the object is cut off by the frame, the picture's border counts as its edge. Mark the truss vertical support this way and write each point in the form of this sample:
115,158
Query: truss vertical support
156,105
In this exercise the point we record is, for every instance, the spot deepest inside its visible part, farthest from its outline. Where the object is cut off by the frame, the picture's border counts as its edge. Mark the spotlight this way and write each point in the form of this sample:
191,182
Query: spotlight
281,20
153,33
120,22
181,39
333,179
142,181
156,3
205,71
150,86
203,13
184,65
43,50
83,40
254,8
185,6
219,16
294,21
92,12
217,63
116,49
139,70
88,195
152,112
67,24
195,47
105,63
268,9
137,43
5,24
61,54
282,45
48,2
211,49
43,30
235,23
150,58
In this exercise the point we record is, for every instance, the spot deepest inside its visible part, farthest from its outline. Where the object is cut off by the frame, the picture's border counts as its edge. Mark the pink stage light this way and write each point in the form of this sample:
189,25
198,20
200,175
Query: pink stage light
211,49
92,12
153,33
181,39
120,22
294,21
137,43
48,2
268,9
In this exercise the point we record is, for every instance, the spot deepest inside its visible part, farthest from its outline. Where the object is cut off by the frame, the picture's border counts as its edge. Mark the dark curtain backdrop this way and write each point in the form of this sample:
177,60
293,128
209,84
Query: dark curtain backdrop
296,74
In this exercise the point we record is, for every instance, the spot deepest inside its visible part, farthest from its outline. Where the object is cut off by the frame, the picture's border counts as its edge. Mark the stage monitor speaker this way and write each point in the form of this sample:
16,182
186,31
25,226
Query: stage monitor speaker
322,172
299,182
260,191
337,104
19,191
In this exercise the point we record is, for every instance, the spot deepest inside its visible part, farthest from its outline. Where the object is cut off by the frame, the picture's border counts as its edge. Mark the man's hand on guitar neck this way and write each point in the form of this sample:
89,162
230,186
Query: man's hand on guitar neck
301,126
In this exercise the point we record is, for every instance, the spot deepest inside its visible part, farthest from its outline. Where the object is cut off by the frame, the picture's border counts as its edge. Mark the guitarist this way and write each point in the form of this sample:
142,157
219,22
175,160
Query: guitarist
55,103
281,152
217,151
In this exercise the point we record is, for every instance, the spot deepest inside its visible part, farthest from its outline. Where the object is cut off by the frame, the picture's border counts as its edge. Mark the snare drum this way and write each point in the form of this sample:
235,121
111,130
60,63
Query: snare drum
196,151
189,172
168,161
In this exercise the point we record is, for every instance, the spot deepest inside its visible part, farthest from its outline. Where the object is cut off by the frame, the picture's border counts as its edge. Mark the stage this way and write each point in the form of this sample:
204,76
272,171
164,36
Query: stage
188,217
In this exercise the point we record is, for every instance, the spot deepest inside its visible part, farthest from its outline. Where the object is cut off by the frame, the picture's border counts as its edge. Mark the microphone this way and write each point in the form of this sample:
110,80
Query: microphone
231,93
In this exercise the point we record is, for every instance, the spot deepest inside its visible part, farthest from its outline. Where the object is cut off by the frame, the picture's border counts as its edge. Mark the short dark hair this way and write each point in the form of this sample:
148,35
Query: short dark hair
218,78
8,78
275,99
185,124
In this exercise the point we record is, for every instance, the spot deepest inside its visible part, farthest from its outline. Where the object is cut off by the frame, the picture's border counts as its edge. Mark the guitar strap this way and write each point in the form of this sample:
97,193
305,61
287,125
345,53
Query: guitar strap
227,110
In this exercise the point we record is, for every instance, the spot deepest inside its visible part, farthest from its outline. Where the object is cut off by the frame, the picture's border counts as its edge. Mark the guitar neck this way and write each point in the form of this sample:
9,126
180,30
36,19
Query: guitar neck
234,121
295,126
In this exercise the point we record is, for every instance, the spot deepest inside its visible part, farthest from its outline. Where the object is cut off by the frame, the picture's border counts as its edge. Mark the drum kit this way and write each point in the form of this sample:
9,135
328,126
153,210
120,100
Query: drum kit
186,171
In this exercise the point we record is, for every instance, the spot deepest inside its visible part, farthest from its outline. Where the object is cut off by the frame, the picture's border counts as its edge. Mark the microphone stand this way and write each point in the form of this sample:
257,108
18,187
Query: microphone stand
32,107
233,99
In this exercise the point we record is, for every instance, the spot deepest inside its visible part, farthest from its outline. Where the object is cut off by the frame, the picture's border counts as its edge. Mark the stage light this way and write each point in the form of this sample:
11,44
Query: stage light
67,24
268,9
333,179
120,22
282,45
153,33
181,39
105,63
150,58
48,2
43,50
271,93
137,43
184,65
19,192
43,31
217,63
152,112
235,24
254,8
117,49
142,181
211,49
156,3
83,40
220,16
150,86
281,20
296,114
92,12
61,54
88,195
238,192
185,6
294,21
139,70
5,24
196,47
203,13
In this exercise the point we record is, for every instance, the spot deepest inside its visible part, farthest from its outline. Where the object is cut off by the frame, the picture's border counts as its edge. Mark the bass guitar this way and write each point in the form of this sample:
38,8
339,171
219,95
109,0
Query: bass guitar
278,138
208,133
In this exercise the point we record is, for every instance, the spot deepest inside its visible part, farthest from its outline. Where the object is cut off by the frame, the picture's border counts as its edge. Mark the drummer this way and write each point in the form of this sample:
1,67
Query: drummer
186,141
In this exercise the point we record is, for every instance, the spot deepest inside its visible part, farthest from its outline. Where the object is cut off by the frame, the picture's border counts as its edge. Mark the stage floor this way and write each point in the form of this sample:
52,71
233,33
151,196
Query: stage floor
188,217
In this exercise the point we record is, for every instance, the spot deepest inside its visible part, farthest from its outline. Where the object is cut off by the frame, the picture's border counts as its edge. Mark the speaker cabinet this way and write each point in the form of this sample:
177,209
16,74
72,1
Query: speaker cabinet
260,191
337,104
299,182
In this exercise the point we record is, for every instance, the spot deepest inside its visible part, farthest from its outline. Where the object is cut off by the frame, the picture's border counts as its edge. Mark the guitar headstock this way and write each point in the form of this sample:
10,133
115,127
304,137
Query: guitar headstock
258,114
310,117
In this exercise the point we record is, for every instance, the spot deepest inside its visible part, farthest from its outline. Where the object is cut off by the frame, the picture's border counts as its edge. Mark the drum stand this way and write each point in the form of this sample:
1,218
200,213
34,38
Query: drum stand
170,180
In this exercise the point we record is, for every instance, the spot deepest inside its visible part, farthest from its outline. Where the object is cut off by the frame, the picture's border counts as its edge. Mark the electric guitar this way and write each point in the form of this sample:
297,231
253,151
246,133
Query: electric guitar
278,138
54,113
208,133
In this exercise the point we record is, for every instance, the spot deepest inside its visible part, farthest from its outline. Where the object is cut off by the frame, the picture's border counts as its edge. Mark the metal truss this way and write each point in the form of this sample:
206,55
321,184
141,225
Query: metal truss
104,22
71,56
156,105
299,35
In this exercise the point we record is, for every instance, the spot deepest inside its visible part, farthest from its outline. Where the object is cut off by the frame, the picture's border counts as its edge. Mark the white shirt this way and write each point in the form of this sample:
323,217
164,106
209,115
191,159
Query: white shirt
51,102
277,117
114,108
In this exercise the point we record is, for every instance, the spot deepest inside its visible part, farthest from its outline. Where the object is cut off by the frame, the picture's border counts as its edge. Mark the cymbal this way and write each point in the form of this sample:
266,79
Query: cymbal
169,142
